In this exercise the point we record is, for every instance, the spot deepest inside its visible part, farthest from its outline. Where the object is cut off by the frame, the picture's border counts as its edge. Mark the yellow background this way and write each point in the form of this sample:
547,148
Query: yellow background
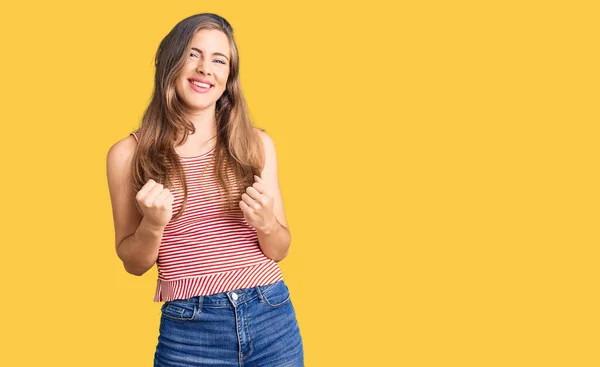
438,161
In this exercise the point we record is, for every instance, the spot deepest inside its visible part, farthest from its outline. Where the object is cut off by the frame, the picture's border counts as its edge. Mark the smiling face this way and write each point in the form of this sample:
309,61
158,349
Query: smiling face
204,76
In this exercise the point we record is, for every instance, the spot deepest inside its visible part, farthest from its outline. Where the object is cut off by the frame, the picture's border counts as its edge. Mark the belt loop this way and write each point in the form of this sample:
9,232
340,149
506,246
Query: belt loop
260,295
200,300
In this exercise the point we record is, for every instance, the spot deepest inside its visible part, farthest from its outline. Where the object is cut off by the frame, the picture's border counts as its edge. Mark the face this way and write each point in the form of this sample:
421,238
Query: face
204,75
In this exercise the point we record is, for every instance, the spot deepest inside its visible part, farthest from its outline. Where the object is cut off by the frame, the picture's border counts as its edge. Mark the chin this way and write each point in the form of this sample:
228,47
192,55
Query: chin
201,107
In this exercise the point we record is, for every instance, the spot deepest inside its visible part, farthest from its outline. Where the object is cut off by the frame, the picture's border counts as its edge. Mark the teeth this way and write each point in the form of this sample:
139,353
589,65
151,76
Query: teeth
201,85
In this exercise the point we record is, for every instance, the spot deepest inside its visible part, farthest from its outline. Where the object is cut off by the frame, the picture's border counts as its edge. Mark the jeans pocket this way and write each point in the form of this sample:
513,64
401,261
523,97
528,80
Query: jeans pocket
178,310
275,295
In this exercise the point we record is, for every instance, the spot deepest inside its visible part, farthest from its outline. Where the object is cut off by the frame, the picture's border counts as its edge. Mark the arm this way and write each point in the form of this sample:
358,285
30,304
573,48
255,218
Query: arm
262,205
137,240
275,242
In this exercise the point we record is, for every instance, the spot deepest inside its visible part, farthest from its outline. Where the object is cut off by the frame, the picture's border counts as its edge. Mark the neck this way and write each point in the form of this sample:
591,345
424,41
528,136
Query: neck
205,124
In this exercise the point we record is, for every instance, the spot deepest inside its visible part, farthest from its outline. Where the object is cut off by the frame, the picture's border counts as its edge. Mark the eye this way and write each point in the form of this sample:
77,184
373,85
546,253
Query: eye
221,61
193,54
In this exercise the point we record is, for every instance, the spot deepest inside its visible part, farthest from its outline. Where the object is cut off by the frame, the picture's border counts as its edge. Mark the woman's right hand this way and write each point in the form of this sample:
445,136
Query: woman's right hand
156,203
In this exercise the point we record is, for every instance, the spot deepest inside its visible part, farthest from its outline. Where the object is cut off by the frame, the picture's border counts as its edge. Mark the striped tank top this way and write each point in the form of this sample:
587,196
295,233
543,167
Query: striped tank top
207,250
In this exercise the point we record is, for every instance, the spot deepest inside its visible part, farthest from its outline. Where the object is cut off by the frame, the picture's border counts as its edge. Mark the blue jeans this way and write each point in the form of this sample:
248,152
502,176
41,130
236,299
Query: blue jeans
244,328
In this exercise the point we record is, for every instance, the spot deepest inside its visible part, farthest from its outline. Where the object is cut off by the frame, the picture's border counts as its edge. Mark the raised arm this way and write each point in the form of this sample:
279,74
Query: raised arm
137,234
262,206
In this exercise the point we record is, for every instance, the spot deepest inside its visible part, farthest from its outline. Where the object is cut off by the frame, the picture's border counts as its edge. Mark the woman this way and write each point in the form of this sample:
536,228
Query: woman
195,190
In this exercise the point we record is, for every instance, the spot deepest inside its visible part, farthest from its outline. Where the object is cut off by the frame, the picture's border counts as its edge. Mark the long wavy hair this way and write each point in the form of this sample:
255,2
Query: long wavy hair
238,148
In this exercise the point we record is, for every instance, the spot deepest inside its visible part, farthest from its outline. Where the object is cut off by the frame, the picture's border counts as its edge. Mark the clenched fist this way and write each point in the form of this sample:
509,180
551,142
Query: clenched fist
257,206
156,203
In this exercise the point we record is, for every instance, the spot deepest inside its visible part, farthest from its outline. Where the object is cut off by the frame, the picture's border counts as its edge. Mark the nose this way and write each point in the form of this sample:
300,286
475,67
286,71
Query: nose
203,67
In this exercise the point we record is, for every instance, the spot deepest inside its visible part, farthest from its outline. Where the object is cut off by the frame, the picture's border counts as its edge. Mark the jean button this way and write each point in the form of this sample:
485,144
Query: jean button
234,296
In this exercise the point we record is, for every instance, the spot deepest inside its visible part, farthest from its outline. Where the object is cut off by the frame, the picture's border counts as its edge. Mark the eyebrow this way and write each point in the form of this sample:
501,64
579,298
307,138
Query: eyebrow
215,53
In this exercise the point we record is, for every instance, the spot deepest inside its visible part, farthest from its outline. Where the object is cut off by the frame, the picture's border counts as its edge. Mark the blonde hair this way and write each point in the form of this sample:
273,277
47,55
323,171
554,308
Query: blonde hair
238,147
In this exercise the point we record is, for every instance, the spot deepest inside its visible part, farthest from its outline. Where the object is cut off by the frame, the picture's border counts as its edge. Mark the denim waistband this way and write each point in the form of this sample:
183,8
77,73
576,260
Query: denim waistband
225,299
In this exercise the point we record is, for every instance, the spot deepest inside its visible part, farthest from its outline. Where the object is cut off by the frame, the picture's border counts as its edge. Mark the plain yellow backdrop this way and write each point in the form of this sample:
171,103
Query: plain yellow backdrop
438,162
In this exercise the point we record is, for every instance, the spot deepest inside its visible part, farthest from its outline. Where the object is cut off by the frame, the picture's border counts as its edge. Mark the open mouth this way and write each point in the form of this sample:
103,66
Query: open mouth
200,84
200,87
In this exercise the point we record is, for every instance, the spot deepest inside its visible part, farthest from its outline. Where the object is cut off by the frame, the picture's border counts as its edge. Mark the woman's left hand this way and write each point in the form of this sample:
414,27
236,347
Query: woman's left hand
257,206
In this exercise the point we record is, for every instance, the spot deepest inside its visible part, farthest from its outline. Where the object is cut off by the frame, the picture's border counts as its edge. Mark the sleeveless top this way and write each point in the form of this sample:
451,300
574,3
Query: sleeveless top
207,250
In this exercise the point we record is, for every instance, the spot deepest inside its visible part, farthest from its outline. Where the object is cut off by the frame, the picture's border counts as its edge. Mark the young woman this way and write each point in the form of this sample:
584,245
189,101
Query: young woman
195,190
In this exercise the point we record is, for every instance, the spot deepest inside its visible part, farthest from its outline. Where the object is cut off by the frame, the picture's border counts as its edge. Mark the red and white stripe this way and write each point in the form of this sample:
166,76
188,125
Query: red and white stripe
207,250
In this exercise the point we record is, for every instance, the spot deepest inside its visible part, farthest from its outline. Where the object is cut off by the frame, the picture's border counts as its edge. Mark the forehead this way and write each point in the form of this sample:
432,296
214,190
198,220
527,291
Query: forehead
210,41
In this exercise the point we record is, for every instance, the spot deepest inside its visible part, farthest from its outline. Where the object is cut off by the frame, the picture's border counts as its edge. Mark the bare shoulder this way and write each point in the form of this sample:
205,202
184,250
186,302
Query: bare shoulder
270,169
121,152
268,144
